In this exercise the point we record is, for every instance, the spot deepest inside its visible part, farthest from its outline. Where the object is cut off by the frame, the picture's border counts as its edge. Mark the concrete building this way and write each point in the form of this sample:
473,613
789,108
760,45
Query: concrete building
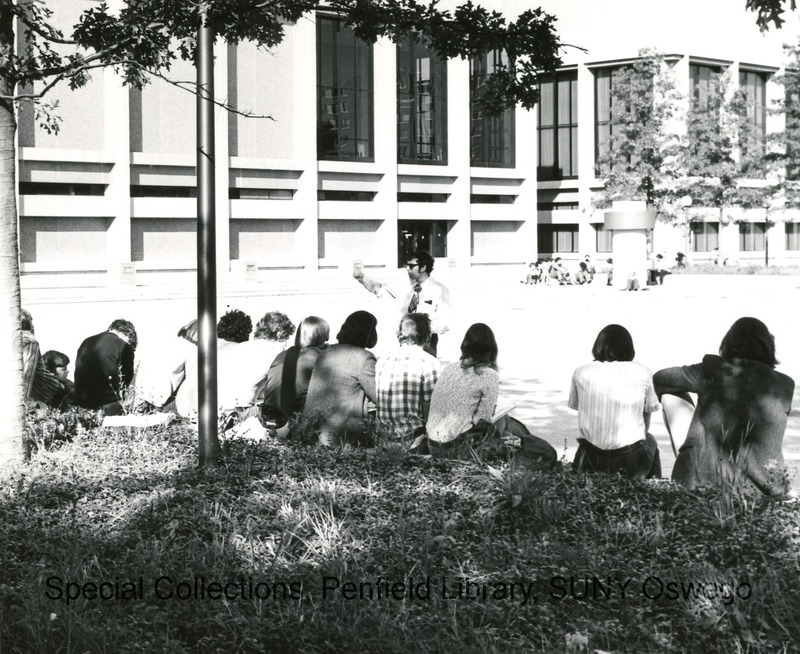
368,153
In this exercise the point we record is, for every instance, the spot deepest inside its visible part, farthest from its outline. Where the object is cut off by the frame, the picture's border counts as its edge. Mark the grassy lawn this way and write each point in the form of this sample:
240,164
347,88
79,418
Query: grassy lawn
377,551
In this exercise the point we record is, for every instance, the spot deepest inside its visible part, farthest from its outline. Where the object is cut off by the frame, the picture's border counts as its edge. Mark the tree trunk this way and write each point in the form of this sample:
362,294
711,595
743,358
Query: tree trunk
12,404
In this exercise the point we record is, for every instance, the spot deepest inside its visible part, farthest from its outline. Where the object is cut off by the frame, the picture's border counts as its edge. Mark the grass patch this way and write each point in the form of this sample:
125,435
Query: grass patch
330,550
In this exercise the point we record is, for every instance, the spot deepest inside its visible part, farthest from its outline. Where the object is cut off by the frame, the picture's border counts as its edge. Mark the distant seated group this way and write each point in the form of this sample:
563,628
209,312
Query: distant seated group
338,391
551,271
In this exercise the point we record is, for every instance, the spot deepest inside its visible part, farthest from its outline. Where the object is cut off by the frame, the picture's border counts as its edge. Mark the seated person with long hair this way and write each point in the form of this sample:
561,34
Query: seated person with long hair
290,372
735,433
466,392
614,398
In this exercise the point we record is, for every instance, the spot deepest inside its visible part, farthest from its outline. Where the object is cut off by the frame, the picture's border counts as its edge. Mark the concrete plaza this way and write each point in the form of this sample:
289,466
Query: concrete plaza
544,332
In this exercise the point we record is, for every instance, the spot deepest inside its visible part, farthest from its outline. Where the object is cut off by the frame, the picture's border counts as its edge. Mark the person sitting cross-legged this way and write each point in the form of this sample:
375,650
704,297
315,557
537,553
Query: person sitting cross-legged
405,380
341,392
466,392
614,398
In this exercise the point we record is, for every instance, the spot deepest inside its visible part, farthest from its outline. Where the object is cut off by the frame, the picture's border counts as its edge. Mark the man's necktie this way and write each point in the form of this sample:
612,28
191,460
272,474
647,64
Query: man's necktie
414,302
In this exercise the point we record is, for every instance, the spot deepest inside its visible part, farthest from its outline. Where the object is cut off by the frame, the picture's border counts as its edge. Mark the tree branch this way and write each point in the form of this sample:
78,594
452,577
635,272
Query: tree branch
48,34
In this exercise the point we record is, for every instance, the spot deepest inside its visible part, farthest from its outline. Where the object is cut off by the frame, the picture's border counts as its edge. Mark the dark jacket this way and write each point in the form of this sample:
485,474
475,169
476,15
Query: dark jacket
342,384
103,369
736,432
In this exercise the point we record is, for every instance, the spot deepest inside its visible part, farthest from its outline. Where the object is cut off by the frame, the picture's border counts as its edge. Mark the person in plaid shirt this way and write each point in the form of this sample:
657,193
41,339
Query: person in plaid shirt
405,379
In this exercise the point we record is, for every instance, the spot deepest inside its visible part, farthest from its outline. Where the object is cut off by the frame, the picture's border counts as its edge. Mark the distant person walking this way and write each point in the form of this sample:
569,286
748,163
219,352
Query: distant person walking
425,295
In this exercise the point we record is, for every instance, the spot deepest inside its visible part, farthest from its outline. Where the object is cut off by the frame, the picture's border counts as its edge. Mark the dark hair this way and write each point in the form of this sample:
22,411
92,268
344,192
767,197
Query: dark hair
313,332
613,343
274,326
423,258
583,266
359,328
126,328
25,321
235,326
189,331
53,359
479,347
415,329
749,338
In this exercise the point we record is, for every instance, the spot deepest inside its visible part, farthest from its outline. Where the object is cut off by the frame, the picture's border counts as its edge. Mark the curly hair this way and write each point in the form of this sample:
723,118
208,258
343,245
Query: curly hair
126,328
274,326
235,326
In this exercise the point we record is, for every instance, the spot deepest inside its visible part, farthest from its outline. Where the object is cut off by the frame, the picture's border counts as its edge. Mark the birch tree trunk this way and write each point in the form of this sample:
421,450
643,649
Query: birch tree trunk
12,405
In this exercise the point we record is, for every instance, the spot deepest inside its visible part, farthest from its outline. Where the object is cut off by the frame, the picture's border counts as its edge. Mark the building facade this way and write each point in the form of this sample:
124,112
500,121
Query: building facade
339,151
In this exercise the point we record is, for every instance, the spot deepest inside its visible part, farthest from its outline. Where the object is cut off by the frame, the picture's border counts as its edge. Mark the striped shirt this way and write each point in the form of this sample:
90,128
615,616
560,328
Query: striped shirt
611,399
405,381
40,384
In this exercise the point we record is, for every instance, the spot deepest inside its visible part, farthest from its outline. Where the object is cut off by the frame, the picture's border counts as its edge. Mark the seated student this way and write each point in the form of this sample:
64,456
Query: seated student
735,434
242,368
559,273
582,276
466,392
40,385
590,269
405,379
290,372
104,368
232,328
614,398
342,384
162,368
58,364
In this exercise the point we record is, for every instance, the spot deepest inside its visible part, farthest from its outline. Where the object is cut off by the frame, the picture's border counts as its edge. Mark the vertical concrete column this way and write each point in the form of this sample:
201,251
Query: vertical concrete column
223,163
776,123
586,173
385,113
304,103
458,157
116,128
630,221
527,146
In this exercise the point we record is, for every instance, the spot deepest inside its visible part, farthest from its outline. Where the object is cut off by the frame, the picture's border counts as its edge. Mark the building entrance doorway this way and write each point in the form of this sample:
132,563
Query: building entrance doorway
430,235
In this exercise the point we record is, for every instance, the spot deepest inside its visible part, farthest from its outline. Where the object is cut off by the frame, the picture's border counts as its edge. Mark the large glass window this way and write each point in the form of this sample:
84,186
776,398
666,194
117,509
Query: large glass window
603,83
752,237
558,127
604,238
421,104
754,86
555,239
792,236
491,137
703,80
344,91
705,236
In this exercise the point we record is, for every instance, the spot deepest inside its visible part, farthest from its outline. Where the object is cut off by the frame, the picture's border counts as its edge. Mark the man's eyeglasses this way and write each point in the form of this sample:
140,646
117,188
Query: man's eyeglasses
410,265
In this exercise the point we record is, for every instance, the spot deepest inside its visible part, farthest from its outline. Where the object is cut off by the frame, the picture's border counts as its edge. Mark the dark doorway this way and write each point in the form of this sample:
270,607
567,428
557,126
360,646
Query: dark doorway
430,235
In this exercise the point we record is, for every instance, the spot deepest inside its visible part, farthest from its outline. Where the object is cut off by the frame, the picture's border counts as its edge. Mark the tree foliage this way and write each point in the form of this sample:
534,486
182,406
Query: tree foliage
636,158
721,149
770,11
144,37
